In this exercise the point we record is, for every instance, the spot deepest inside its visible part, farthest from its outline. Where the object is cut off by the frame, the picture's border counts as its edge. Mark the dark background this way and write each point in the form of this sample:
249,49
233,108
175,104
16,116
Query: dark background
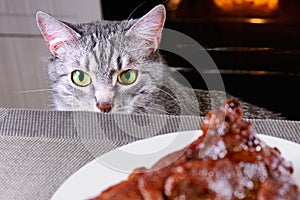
259,62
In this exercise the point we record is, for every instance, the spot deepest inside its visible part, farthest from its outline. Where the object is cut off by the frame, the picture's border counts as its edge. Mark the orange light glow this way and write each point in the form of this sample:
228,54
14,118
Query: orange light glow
257,20
232,5
172,4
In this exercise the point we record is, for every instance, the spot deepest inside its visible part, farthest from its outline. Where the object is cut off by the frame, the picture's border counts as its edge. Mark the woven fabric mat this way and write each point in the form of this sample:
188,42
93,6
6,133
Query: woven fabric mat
41,149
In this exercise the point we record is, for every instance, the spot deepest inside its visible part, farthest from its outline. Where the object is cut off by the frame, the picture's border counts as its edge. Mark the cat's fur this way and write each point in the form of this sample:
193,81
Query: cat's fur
103,49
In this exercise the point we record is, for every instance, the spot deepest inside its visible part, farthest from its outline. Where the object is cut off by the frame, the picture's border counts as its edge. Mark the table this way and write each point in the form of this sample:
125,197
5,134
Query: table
40,149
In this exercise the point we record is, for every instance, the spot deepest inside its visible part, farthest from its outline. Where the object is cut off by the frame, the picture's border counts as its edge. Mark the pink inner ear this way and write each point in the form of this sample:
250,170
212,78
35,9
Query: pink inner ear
150,26
55,32
54,47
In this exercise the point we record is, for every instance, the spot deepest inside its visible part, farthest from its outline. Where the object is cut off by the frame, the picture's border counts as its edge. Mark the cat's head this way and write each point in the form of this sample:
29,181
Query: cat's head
105,65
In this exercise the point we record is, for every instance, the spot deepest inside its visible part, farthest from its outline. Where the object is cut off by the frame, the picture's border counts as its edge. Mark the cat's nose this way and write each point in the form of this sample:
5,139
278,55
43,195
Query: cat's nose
104,107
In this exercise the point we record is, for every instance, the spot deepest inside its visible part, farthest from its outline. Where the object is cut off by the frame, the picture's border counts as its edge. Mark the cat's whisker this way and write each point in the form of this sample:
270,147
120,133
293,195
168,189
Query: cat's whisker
136,107
169,94
122,109
156,109
160,110
32,91
50,106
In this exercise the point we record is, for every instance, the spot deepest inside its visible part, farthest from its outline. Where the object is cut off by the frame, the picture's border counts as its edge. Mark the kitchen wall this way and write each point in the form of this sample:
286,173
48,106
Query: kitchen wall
23,52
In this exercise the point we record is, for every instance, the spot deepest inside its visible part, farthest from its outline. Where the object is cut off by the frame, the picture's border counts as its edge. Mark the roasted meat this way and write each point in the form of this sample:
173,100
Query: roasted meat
233,163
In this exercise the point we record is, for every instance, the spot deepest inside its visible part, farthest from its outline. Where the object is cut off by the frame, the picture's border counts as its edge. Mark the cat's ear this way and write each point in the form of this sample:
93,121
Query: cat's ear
150,26
54,32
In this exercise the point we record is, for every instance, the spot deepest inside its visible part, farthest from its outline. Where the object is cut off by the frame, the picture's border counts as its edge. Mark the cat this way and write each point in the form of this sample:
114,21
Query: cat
116,67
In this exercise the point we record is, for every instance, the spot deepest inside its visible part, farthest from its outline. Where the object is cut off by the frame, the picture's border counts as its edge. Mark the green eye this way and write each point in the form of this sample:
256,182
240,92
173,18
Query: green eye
80,78
127,77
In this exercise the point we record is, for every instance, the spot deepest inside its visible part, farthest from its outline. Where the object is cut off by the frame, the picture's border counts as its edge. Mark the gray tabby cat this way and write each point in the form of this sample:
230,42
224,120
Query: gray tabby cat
115,66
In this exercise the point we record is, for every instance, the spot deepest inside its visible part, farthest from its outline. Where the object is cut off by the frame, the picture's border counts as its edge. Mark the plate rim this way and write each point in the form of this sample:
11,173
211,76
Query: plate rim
92,163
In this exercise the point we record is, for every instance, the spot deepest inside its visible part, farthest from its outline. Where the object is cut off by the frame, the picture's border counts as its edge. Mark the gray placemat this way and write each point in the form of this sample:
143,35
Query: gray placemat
41,149
91,126
117,127
34,168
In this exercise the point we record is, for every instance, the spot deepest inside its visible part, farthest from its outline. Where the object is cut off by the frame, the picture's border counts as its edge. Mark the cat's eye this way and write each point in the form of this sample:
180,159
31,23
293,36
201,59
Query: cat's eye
127,77
80,78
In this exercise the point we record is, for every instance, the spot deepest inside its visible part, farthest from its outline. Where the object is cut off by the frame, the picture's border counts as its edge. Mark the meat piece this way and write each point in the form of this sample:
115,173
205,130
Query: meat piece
228,161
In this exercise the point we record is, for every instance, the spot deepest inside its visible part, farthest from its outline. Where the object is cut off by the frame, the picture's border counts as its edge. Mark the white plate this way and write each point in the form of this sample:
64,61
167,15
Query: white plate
104,171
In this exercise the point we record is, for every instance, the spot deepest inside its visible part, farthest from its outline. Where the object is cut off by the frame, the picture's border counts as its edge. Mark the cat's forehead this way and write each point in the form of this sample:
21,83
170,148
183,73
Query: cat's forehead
110,50
107,37
105,60
105,28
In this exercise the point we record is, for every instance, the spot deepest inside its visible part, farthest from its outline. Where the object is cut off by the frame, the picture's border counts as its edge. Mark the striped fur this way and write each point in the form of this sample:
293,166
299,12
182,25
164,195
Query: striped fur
105,48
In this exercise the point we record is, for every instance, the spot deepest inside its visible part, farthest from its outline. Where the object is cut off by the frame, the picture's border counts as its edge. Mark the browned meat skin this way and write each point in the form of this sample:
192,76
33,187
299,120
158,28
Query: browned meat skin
239,166
125,190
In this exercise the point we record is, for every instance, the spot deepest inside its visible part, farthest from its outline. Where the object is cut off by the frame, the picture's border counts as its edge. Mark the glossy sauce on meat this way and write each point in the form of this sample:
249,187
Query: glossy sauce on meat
237,166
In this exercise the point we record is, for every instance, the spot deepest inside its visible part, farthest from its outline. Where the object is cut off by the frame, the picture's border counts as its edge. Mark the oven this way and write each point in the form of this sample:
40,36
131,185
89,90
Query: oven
255,45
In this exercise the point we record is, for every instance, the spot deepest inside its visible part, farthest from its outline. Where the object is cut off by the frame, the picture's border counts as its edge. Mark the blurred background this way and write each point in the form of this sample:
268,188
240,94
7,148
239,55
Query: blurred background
24,54
254,43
